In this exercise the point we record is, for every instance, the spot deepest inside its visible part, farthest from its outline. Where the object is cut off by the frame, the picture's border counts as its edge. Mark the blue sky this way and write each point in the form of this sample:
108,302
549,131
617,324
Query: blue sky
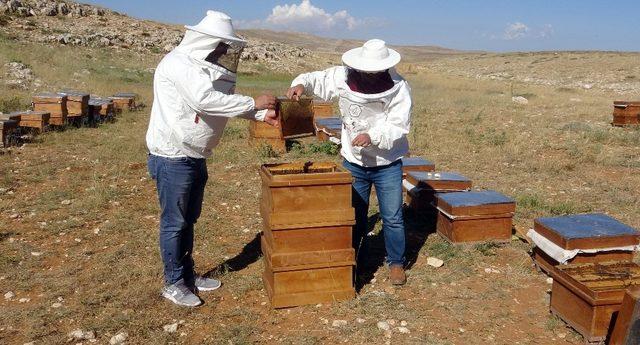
493,25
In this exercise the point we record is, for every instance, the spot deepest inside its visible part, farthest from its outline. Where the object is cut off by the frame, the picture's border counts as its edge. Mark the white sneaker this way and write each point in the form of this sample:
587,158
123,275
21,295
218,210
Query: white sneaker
180,294
207,284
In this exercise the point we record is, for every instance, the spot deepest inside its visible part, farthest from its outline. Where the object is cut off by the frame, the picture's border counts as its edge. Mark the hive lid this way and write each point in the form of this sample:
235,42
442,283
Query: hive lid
50,95
442,181
587,231
99,101
475,203
409,162
329,122
74,93
626,103
126,95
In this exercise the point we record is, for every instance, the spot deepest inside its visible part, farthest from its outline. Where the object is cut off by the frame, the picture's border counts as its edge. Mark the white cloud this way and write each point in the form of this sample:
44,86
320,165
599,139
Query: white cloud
308,18
515,31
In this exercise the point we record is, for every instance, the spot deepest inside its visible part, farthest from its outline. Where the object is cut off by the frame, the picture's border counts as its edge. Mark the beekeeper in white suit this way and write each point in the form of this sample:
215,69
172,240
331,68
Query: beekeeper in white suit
375,104
194,97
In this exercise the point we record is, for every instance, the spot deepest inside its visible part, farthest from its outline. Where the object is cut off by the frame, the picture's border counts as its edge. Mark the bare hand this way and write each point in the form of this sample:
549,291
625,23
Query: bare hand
295,92
363,140
272,118
265,102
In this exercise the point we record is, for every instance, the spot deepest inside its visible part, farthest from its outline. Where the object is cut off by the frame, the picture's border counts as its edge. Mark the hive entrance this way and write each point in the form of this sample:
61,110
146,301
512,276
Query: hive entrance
302,168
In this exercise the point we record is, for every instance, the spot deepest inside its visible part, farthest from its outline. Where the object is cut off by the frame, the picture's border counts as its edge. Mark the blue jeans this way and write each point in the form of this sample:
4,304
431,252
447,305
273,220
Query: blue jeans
180,183
388,182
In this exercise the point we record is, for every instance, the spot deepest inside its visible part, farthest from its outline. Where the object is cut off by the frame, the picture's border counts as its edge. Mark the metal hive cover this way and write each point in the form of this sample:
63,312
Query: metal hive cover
462,199
587,226
444,176
416,161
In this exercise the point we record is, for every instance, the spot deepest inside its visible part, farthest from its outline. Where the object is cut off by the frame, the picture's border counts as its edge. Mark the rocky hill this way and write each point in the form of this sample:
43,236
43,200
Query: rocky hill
70,23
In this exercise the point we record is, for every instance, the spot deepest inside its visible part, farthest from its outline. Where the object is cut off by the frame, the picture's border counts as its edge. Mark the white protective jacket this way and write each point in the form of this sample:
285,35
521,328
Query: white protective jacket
385,116
193,100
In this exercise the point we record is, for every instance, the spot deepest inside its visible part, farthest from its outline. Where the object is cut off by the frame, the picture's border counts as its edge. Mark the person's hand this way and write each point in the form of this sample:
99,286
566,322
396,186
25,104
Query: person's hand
363,140
295,92
265,102
271,118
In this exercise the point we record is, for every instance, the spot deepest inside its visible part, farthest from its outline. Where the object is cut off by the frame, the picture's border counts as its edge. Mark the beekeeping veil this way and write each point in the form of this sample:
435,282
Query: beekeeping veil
213,41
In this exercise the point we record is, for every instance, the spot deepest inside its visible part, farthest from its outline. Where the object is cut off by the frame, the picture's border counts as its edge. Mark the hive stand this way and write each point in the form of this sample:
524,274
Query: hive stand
54,104
586,296
428,184
627,326
307,237
471,217
626,113
585,231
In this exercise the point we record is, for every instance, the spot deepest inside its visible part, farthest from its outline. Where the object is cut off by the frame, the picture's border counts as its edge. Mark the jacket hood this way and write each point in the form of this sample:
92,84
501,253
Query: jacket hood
197,45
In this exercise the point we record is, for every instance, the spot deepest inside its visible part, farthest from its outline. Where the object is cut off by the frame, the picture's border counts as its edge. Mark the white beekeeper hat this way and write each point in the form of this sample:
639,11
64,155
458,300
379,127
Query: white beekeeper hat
373,56
216,24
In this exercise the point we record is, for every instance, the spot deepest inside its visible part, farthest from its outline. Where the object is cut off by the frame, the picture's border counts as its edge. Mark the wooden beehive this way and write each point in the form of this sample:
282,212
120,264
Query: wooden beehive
32,119
467,217
626,330
124,101
328,127
428,184
586,296
77,103
307,237
296,117
54,104
7,127
322,109
626,113
101,108
416,164
585,231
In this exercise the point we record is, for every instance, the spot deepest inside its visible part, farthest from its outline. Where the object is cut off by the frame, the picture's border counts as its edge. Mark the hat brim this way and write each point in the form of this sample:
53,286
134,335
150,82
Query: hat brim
353,59
214,34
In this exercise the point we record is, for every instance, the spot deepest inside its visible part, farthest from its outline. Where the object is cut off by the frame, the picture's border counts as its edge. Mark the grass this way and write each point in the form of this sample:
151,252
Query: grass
100,254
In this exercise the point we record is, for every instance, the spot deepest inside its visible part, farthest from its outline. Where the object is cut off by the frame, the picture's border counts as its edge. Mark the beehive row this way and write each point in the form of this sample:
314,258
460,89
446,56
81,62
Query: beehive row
307,237
59,109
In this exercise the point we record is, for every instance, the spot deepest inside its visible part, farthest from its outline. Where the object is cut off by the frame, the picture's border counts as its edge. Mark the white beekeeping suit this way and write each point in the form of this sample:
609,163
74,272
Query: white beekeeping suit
194,97
384,116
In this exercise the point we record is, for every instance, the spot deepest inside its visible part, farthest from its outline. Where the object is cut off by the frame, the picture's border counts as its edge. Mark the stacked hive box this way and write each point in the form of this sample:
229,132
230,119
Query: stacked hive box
322,109
586,296
467,217
77,105
416,164
328,128
101,109
7,127
592,238
296,121
422,187
38,120
307,238
54,104
626,113
627,327
124,101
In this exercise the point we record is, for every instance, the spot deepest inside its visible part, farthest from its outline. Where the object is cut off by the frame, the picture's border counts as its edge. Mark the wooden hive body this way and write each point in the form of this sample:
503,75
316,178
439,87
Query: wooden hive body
427,185
467,217
124,101
627,326
101,108
33,119
77,103
586,296
54,104
7,127
626,113
322,109
307,237
296,117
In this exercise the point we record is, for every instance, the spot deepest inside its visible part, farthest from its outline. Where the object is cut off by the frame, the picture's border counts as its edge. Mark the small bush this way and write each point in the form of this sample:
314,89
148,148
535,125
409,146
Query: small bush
267,151
487,248
325,147
11,104
4,19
